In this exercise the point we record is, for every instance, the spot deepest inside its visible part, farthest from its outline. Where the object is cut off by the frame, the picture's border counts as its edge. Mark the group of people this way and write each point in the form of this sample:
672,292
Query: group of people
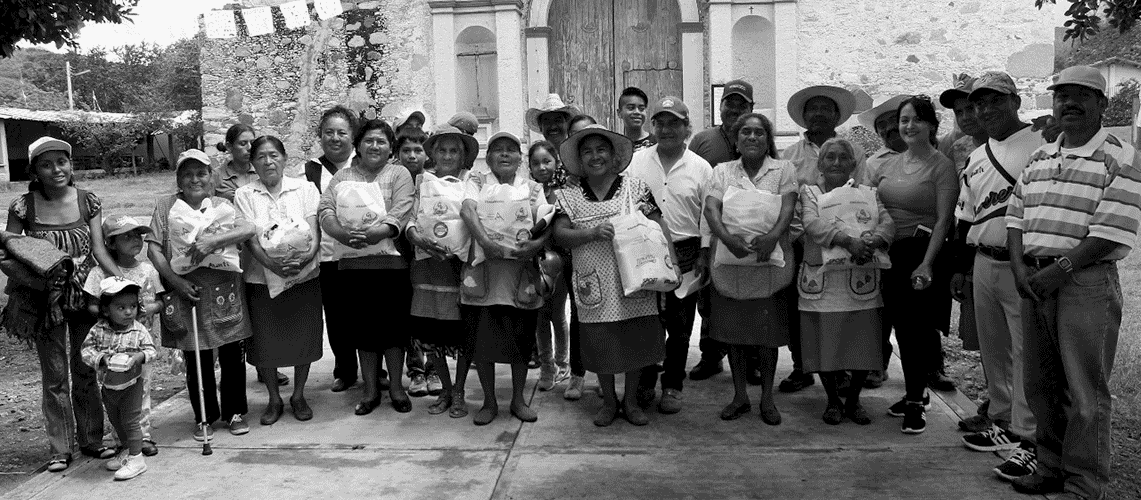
822,248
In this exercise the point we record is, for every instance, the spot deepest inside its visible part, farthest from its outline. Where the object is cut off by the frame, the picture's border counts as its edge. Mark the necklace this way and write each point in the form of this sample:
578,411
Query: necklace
910,158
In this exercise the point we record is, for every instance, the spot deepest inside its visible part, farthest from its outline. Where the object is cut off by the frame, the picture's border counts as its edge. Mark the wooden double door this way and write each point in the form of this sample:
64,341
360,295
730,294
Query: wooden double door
599,47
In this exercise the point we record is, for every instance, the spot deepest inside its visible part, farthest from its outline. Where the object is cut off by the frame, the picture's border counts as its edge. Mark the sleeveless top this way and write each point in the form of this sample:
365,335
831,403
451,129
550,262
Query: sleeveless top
73,239
597,287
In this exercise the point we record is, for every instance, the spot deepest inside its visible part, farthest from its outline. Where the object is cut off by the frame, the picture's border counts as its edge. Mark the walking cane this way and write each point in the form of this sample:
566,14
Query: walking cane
201,398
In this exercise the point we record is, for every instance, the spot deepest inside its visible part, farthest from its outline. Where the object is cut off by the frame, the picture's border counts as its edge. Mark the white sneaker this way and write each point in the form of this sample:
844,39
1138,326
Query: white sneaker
435,387
116,462
133,465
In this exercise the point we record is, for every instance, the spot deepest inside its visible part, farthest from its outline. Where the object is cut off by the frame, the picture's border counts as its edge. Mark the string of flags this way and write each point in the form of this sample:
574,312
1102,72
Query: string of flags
259,20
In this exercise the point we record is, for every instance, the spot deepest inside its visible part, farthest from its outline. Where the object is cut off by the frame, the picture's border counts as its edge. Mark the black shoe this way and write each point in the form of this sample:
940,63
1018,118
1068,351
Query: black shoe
941,382
1037,484
705,369
914,419
796,381
401,405
645,397
899,409
875,379
342,385
149,448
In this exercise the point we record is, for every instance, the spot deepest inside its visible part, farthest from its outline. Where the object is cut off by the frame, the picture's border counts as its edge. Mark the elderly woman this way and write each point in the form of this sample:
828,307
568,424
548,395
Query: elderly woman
746,309
618,333
500,295
70,218
437,324
221,326
382,265
286,328
335,130
840,309
919,188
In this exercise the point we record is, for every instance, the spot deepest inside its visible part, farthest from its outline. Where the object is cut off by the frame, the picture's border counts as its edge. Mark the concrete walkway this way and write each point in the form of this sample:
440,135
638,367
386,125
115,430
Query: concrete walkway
689,455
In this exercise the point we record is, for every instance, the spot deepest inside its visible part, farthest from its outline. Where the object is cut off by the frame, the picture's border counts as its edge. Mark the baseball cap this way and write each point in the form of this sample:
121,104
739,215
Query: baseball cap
504,135
997,81
962,89
120,224
192,154
115,284
1085,76
466,122
45,144
672,105
403,121
739,87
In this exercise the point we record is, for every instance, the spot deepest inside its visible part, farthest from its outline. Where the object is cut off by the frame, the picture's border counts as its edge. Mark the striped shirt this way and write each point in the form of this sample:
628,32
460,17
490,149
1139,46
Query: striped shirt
1067,195
104,341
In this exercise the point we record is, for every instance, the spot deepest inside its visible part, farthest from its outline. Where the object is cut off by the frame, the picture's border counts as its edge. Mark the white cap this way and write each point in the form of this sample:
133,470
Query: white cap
45,144
115,284
192,154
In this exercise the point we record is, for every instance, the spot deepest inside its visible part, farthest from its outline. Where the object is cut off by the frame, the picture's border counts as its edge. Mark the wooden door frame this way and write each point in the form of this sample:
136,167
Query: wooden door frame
538,33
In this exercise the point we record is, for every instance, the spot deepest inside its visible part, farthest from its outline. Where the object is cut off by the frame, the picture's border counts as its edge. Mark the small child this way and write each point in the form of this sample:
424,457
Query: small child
117,348
124,241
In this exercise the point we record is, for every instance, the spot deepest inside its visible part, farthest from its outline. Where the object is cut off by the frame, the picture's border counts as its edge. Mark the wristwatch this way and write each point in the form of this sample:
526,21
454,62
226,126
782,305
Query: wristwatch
1065,264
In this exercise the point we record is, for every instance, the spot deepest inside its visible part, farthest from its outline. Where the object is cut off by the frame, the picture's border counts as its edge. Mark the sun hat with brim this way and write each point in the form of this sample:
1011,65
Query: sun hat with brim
868,118
961,90
192,154
121,224
471,145
845,101
1086,76
552,104
568,152
115,285
45,144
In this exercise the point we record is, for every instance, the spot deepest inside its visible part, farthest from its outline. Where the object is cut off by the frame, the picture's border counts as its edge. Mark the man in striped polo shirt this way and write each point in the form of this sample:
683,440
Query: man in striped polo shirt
1075,212
988,181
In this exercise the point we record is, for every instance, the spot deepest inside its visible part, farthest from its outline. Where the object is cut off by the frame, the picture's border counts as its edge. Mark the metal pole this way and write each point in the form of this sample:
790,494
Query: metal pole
70,98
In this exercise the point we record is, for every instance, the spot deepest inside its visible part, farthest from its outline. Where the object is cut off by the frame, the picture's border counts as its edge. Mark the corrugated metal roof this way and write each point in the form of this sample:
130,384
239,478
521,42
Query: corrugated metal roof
61,116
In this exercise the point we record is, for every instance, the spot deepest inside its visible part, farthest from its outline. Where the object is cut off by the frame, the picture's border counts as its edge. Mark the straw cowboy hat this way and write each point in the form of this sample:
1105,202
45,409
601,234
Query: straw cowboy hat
868,118
552,104
844,100
471,145
568,152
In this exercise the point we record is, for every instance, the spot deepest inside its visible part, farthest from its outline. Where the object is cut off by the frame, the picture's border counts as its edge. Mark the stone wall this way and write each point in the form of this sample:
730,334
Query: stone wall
888,48
280,83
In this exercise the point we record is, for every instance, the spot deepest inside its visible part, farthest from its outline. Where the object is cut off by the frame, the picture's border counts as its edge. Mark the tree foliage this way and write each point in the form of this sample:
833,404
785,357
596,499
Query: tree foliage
1120,110
55,22
1084,19
107,141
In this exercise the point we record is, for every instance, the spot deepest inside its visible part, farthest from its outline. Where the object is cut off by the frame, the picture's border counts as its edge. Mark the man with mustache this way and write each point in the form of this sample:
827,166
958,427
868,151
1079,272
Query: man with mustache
632,112
551,119
988,182
1074,213
819,109
883,119
718,145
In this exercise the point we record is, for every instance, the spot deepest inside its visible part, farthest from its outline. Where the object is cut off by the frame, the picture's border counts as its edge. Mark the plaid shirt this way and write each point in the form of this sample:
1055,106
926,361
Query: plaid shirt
104,340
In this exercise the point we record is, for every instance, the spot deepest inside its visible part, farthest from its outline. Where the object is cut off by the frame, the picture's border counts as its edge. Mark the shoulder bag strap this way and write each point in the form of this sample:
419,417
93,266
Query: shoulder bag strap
994,161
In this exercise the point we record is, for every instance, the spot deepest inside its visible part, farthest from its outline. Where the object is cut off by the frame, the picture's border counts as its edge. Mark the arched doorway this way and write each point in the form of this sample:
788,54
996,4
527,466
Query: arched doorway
599,47
754,60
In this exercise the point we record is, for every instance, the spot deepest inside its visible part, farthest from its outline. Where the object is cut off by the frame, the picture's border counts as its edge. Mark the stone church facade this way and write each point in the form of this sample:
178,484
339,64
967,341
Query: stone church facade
496,58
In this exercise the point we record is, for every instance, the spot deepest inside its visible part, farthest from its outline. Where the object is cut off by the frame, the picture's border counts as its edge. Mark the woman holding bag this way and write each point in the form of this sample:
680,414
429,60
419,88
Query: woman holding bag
282,289
365,208
746,308
619,333
841,307
220,326
500,288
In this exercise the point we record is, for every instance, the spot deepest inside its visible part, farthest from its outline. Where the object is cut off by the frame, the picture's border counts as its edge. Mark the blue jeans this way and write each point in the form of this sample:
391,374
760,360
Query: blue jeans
73,412
1069,340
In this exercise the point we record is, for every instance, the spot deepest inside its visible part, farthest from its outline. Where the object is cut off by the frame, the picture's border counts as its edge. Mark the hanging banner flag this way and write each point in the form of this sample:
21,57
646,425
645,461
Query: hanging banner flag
296,14
220,24
327,8
259,21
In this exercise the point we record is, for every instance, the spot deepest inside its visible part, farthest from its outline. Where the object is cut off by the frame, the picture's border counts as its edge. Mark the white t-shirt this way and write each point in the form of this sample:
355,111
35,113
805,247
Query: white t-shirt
985,192
680,192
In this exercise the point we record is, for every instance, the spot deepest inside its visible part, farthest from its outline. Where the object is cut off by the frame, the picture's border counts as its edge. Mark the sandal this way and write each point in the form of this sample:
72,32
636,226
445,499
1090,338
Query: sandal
59,464
459,405
101,452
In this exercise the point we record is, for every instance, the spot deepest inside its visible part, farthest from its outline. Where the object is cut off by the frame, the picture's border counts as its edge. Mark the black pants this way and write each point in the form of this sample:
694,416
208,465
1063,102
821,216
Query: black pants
677,318
344,354
792,299
232,384
913,313
575,341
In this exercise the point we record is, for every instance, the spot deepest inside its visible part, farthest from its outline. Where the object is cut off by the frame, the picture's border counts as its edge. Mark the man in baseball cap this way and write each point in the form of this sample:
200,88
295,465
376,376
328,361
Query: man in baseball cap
678,179
1065,241
719,145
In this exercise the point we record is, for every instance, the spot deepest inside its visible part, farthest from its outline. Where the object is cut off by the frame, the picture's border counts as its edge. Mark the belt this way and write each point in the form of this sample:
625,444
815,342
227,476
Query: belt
1039,262
996,253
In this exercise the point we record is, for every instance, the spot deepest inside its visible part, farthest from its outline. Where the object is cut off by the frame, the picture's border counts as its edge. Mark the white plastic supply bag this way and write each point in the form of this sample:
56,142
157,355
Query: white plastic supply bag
287,240
505,211
441,199
187,225
855,211
360,205
749,213
642,254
